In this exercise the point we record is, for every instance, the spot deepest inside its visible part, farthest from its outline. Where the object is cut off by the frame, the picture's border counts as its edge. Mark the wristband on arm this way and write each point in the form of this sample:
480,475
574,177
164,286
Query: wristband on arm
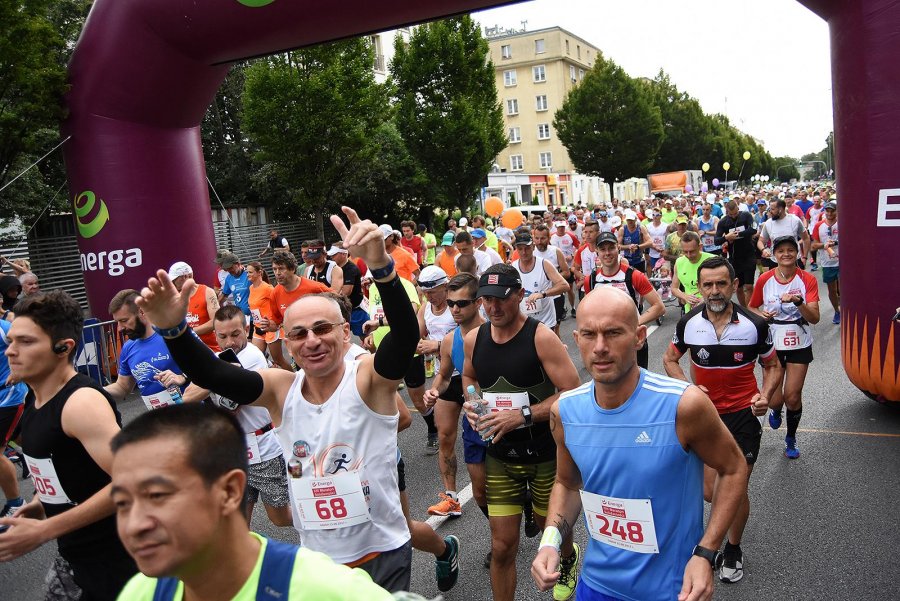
551,538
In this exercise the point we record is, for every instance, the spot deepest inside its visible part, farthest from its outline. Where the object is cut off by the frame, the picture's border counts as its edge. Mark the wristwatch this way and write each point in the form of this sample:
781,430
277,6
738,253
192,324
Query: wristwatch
526,413
715,558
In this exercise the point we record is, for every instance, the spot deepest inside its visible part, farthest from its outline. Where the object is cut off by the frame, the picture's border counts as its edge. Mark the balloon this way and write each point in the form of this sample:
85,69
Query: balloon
715,182
726,165
493,206
704,188
512,218
689,188
705,167
746,155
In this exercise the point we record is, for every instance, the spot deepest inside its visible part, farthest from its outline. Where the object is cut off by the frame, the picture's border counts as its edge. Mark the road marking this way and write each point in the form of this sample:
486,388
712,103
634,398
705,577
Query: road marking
875,434
464,496
651,329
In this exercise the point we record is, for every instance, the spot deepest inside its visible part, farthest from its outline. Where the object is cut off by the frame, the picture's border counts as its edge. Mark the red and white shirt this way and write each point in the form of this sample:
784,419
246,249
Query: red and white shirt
768,291
639,282
822,232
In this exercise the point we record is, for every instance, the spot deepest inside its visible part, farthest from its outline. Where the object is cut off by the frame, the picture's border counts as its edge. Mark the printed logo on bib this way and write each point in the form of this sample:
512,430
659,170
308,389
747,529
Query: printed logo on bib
506,401
253,449
622,523
333,494
161,399
789,337
46,481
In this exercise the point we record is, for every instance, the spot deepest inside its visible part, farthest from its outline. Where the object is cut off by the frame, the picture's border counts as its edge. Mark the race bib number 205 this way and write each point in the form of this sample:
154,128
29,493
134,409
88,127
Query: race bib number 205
622,523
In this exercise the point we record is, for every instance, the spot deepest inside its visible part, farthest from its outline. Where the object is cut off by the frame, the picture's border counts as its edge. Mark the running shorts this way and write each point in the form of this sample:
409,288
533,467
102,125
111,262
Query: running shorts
804,356
454,392
747,431
746,274
474,448
829,274
507,486
268,337
268,479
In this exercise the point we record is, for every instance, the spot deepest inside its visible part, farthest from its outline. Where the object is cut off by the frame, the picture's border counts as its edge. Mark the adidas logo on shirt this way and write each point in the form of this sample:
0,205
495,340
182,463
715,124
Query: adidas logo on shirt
643,438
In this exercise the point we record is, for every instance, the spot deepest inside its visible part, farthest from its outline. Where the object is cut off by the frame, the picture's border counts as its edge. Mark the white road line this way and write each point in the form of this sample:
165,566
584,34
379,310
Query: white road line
465,495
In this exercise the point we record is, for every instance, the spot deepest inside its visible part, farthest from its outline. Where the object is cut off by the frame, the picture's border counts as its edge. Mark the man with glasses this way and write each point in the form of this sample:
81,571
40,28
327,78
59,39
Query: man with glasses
336,419
825,238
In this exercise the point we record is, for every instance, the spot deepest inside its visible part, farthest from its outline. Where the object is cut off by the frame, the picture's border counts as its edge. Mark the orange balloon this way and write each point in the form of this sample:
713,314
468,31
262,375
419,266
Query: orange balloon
493,206
512,218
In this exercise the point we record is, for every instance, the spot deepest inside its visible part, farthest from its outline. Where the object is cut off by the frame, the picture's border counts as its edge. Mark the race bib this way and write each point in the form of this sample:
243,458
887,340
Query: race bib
622,523
161,399
378,313
506,401
737,230
331,502
364,305
257,316
253,449
46,482
789,337
532,309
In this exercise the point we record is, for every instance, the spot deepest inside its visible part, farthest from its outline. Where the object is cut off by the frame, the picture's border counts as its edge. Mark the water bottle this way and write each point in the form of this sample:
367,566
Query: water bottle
175,393
479,408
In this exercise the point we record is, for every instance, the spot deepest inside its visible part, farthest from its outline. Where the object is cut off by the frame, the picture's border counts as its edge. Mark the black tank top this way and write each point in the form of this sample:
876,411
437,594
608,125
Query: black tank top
515,367
79,476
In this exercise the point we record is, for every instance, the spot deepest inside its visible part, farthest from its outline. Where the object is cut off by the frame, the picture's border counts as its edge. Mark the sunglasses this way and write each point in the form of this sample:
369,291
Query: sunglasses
462,304
320,329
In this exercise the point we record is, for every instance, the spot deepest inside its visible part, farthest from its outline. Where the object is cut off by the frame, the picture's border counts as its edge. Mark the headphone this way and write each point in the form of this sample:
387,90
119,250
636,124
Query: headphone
60,348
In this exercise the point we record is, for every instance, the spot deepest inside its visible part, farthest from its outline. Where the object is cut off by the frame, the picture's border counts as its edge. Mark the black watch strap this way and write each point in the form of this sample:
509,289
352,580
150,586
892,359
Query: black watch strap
713,557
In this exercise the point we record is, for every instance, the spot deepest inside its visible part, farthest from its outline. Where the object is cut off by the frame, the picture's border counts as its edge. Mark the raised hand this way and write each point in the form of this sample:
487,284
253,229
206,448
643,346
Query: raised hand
363,239
161,301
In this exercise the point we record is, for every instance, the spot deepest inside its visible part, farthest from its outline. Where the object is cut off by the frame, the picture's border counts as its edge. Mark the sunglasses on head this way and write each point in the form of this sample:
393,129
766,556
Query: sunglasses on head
462,304
320,329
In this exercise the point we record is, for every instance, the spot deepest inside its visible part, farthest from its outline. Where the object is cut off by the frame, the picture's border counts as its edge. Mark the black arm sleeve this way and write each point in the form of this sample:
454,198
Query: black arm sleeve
720,232
206,370
397,349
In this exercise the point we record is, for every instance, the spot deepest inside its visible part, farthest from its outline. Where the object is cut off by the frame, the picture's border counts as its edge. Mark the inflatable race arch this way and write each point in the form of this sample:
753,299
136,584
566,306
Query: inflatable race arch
144,72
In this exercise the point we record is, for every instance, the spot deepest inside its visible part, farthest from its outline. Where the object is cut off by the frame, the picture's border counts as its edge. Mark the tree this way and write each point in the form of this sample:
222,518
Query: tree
310,113
447,107
687,132
785,169
609,125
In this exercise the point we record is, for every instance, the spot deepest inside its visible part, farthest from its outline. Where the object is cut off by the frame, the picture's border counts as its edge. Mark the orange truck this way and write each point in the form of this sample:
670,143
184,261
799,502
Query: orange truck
674,183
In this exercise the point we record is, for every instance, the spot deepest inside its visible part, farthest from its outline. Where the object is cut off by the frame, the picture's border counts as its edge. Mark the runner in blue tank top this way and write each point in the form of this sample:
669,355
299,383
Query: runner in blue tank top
631,449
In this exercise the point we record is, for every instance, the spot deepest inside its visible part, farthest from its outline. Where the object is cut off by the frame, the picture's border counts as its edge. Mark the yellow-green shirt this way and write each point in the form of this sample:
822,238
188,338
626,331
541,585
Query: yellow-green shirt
687,275
315,578
429,252
669,216
376,310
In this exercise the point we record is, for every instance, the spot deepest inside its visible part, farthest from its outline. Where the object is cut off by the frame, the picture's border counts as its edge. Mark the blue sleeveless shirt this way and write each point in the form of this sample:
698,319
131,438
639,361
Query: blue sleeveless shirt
633,452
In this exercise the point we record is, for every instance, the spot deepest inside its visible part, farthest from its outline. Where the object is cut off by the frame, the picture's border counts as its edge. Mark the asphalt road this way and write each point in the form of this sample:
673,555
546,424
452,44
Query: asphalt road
823,527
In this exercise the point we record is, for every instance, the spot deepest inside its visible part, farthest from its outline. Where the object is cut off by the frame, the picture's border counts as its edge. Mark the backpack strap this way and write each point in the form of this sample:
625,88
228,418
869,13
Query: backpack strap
630,285
165,589
276,572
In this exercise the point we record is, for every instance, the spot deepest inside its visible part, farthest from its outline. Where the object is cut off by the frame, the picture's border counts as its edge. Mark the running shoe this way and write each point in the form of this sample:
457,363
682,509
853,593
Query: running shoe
815,267
446,506
487,559
732,568
837,318
12,455
790,447
568,576
531,528
775,419
447,570
573,311
8,509
431,445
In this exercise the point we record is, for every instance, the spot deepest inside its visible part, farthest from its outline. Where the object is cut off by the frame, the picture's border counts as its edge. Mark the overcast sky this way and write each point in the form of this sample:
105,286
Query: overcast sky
763,63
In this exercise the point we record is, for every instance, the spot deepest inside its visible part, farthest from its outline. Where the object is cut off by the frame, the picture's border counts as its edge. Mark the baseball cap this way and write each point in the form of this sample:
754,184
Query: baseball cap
431,277
178,269
524,239
630,215
607,237
681,219
785,240
668,201
314,252
228,259
221,253
448,239
478,233
335,249
498,285
831,205
603,213
463,222
386,230
559,224
573,219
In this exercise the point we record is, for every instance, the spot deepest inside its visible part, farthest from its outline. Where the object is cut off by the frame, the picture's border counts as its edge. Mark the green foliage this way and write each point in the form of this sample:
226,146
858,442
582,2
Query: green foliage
447,107
786,169
310,113
687,130
609,124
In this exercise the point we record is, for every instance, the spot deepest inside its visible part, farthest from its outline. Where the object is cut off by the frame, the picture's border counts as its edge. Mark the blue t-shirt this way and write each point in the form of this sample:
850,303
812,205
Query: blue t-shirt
717,210
804,206
10,396
239,288
143,359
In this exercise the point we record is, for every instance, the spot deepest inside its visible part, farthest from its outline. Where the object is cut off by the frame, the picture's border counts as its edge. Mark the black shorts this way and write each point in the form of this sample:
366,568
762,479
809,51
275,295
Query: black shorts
746,274
804,356
454,392
643,356
415,375
401,475
9,423
747,431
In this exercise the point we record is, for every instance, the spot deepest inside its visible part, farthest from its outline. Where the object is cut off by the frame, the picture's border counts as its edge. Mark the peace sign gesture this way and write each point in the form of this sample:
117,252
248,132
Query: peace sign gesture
364,239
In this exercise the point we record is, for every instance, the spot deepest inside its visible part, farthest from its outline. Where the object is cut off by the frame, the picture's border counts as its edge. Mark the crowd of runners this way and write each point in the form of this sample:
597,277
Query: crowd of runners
287,395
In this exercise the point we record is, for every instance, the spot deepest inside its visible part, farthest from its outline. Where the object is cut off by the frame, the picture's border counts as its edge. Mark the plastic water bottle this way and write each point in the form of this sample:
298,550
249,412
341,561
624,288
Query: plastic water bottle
175,393
481,409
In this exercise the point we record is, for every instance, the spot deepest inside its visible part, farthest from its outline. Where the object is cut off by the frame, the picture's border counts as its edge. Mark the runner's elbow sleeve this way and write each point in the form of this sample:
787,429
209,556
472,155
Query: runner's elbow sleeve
397,349
206,370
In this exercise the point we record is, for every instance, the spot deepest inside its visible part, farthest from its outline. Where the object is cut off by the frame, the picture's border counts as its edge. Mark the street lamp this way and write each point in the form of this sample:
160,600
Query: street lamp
782,167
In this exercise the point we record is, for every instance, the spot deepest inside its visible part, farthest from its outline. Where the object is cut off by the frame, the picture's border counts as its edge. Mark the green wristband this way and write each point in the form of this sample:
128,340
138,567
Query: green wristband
551,538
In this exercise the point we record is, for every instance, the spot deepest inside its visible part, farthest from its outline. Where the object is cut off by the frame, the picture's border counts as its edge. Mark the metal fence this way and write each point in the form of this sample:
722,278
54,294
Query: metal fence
98,351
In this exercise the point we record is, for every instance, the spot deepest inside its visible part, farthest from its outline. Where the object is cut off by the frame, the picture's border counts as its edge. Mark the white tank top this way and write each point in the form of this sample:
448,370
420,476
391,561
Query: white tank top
549,255
438,325
344,428
658,234
536,280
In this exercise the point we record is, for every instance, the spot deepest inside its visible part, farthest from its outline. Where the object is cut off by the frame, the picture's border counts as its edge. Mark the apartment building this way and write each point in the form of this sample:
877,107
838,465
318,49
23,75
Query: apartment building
383,44
535,70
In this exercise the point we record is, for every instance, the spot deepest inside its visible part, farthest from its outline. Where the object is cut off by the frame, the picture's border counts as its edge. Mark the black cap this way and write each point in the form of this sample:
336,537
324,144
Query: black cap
785,240
607,237
524,238
498,285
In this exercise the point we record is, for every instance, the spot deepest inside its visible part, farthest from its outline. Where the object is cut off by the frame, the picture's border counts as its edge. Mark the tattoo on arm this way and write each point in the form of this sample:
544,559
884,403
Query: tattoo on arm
565,529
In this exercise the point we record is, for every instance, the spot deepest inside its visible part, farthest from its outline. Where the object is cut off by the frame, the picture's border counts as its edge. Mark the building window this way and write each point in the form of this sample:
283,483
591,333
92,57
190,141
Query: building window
506,51
509,78
514,135
581,74
572,73
541,102
539,46
539,73
578,50
512,106
546,159
567,46
515,162
543,131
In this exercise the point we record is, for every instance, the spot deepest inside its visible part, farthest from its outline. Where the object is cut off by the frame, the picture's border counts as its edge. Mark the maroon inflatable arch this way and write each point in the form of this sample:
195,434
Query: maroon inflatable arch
143,74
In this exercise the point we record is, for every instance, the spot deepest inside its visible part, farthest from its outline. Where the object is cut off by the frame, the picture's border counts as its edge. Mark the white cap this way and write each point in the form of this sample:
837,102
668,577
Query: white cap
711,197
335,250
559,224
179,269
386,230
463,222
431,277
630,215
